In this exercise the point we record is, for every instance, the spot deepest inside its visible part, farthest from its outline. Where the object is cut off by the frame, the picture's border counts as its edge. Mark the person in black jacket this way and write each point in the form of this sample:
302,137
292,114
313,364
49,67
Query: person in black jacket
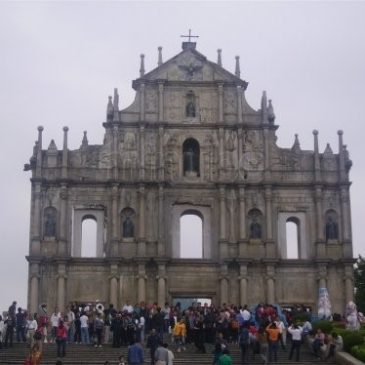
152,343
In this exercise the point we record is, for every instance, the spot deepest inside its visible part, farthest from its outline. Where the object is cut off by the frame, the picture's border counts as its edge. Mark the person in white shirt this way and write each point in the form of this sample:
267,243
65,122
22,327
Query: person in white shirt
85,338
170,355
55,318
32,326
246,315
128,307
282,330
296,333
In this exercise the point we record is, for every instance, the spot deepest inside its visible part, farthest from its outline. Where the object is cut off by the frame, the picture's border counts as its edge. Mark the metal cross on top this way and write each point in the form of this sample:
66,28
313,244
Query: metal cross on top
189,36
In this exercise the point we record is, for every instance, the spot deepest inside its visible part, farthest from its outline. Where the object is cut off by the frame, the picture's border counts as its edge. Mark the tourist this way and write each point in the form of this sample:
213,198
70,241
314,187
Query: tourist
171,356
121,360
199,334
135,354
77,323
152,343
217,353
9,332
273,339
225,358
35,355
98,329
318,343
84,325
161,355
61,339
70,325
179,334
20,325
55,318
32,327
244,341
296,334
282,332
335,344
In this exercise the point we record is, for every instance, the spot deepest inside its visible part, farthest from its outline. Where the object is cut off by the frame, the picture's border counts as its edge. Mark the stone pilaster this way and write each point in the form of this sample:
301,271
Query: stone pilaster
224,284
220,103
115,220
320,241
240,171
115,152
142,277
33,287
141,152
221,153
142,228
346,222
223,252
63,248
161,242
243,283
270,279
239,105
267,173
142,114
349,283
35,245
161,169
113,284
242,239
160,102
322,275
61,286
161,284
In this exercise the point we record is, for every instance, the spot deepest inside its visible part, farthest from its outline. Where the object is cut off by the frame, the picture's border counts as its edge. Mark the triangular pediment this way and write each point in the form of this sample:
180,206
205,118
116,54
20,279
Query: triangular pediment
191,65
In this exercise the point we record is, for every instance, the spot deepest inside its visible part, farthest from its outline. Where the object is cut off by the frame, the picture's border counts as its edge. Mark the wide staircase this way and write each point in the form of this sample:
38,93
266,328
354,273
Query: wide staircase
89,355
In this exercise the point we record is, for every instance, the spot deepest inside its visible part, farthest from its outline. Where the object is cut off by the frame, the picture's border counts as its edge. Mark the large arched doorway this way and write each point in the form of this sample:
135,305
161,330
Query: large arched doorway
191,235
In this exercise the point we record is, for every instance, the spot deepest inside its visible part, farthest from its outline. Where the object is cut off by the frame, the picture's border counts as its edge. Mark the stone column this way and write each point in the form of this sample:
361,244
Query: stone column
221,153
161,284
115,152
142,235
320,241
160,101
224,284
270,244
232,216
220,103
160,160
142,102
239,104
267,173
270,272
35,245
141,152
33,287
141,282
61,284
62,244
161,241
222,223
349,283
243,279
242,210
346,215
115,221
240,172
113,278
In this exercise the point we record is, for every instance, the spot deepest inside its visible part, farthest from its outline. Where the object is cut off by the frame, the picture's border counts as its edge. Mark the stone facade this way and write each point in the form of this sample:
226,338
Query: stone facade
189,143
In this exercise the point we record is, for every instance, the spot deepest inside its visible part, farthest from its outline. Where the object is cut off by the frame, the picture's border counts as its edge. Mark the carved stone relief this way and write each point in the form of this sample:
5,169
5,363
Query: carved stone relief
151,100
230,101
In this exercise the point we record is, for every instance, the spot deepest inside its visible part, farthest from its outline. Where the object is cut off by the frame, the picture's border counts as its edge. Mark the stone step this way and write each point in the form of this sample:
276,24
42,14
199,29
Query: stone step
82,354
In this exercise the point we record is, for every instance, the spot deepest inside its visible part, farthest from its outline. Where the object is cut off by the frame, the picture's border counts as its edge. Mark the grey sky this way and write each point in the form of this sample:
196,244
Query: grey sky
60,61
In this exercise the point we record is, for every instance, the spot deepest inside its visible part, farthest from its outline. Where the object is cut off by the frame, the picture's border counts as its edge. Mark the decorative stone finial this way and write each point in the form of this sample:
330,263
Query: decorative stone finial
109,110
40,128
65,129
219,61
315,132
159,62
296,146
238,71
340,132
85,141
142,70
270,112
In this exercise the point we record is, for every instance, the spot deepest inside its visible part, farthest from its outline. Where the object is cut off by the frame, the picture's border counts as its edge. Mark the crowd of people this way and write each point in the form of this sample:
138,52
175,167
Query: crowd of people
259,331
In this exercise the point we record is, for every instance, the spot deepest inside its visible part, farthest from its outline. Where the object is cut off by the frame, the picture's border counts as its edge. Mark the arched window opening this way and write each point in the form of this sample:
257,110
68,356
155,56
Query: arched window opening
292,238
191,154
191,235
89,237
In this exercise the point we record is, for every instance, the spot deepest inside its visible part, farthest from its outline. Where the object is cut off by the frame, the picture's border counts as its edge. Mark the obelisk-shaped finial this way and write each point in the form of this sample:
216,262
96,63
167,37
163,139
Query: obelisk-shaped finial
116,106
270,112
159,62
109,110
219,61
238,71
142,70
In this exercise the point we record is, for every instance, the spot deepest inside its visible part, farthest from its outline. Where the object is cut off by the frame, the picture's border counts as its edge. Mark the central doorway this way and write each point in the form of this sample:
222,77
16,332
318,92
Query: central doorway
191,302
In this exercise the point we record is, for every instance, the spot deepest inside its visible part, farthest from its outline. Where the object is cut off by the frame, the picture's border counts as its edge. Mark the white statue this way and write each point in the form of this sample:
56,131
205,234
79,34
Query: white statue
324,304
352,318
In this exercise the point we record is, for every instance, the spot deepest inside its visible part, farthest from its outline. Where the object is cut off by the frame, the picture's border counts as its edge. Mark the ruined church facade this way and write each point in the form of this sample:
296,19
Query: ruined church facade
189,144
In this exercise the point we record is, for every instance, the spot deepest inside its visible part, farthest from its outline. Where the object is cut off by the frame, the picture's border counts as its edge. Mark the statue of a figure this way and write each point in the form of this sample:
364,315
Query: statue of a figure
255,229
50,225
128,228
331,229
189,160
352,317
190,109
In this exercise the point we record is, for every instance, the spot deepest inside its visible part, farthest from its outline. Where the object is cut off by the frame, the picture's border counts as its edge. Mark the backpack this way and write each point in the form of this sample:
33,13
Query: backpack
244,339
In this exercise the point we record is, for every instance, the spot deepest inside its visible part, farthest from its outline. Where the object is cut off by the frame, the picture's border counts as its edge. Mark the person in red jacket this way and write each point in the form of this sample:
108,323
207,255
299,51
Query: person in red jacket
61,337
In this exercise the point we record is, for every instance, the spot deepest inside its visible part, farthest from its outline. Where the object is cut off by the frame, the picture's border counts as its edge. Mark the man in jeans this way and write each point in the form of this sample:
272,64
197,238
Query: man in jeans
84,319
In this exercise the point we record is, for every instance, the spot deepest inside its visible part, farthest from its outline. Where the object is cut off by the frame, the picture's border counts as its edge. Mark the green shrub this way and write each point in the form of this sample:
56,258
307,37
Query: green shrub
351,339
301,317
359,352
325,326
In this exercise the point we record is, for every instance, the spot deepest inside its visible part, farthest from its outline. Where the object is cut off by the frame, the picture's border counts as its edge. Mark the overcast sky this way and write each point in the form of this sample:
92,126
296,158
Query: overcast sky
60,61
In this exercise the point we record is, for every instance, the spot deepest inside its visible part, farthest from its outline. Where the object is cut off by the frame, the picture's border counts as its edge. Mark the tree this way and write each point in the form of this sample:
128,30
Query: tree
359,276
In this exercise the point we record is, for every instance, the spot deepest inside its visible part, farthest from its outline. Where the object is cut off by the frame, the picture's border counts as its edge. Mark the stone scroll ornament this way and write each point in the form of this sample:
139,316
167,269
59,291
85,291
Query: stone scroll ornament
324,304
